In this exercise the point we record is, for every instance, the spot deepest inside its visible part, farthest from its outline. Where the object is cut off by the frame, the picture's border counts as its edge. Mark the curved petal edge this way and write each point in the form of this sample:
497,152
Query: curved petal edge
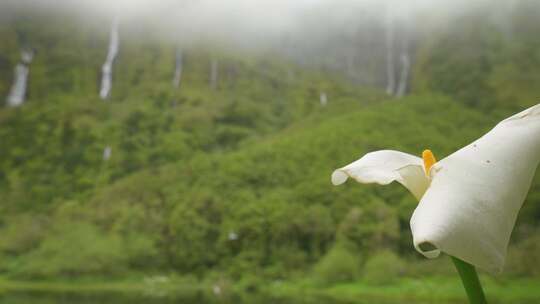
383,167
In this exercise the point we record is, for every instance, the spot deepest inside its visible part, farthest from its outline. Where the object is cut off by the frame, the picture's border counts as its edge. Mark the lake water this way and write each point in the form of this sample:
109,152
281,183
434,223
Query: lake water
124,298
94,298
40,297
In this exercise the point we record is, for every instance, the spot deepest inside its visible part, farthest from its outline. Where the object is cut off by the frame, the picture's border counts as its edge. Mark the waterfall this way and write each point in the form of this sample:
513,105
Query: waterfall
27,56
178,69
106,69
213,74
233,236
323,99
107,153
17,93
405,36
291,77
404,76
350,69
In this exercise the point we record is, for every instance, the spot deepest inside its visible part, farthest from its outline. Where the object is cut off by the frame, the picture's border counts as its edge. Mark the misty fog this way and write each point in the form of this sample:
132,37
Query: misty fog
371,42
251,24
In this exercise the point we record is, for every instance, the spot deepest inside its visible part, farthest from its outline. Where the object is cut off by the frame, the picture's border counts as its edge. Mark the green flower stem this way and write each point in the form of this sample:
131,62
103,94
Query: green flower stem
470,280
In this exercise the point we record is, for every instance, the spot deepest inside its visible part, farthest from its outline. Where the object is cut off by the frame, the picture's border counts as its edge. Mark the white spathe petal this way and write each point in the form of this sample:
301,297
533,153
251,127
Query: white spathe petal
471,206
384,167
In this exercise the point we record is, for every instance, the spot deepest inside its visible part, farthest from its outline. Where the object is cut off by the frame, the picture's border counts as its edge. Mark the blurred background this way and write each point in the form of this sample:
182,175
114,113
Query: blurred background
181,151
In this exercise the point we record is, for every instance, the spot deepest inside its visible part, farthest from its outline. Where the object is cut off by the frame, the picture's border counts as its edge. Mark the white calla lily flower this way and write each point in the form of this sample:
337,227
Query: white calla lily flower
469,201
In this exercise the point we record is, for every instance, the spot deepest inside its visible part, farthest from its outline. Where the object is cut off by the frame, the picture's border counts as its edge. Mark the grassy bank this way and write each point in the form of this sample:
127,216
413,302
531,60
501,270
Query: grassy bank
417,290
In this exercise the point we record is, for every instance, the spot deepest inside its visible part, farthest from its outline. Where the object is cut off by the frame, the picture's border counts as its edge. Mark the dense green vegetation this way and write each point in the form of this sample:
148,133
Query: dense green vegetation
232,184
